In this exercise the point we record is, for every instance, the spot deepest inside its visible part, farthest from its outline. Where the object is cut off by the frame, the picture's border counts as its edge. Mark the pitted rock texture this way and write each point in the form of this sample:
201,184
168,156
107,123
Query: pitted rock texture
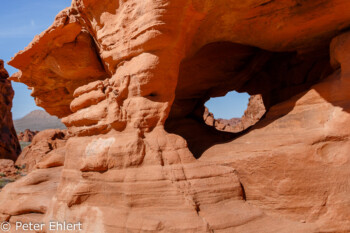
130,79
9,145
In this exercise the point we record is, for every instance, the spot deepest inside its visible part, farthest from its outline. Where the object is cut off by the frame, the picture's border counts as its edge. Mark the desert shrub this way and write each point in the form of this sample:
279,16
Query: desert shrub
5,181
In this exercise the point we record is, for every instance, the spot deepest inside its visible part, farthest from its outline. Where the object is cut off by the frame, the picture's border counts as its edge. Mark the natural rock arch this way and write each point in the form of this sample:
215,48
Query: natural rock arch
221,67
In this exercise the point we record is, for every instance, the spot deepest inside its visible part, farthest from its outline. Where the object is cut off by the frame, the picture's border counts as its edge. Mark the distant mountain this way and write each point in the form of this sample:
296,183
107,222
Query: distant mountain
38,120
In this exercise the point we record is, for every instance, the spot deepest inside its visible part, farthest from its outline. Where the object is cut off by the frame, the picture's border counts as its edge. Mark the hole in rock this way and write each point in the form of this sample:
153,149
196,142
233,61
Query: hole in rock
221,67
232,105
225,113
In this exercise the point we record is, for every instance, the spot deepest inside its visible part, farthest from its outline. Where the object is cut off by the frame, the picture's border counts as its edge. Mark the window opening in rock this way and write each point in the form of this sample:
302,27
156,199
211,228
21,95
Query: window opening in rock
233,112
220,67
232,105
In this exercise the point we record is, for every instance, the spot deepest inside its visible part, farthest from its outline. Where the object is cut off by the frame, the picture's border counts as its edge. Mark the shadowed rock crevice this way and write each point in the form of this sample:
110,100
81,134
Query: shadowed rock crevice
9,144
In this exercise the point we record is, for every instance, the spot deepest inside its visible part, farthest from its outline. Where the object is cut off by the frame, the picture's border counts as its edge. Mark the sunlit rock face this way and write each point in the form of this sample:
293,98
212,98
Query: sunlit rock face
130,79
9,145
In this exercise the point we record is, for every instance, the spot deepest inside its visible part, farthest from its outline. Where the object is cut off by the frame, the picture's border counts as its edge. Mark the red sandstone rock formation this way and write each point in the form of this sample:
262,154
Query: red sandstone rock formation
9,172
7,167
9,145
131,78
46,149
27,135
232,125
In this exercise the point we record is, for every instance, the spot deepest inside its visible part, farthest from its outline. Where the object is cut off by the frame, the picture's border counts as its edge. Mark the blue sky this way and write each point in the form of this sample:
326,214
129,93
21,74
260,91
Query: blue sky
20,21
232,105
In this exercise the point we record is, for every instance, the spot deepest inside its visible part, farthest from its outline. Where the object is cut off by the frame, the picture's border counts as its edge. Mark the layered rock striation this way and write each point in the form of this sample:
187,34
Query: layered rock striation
130,79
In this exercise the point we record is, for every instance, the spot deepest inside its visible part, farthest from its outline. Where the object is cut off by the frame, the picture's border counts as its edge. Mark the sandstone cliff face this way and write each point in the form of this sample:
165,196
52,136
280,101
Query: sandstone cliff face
9,145
131,78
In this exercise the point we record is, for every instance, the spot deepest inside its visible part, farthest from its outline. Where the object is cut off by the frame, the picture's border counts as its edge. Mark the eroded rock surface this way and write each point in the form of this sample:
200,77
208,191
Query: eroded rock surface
130,79
9,145
47,149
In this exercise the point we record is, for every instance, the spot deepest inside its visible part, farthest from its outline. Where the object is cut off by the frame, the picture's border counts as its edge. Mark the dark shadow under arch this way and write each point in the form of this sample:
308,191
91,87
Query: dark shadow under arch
221,67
